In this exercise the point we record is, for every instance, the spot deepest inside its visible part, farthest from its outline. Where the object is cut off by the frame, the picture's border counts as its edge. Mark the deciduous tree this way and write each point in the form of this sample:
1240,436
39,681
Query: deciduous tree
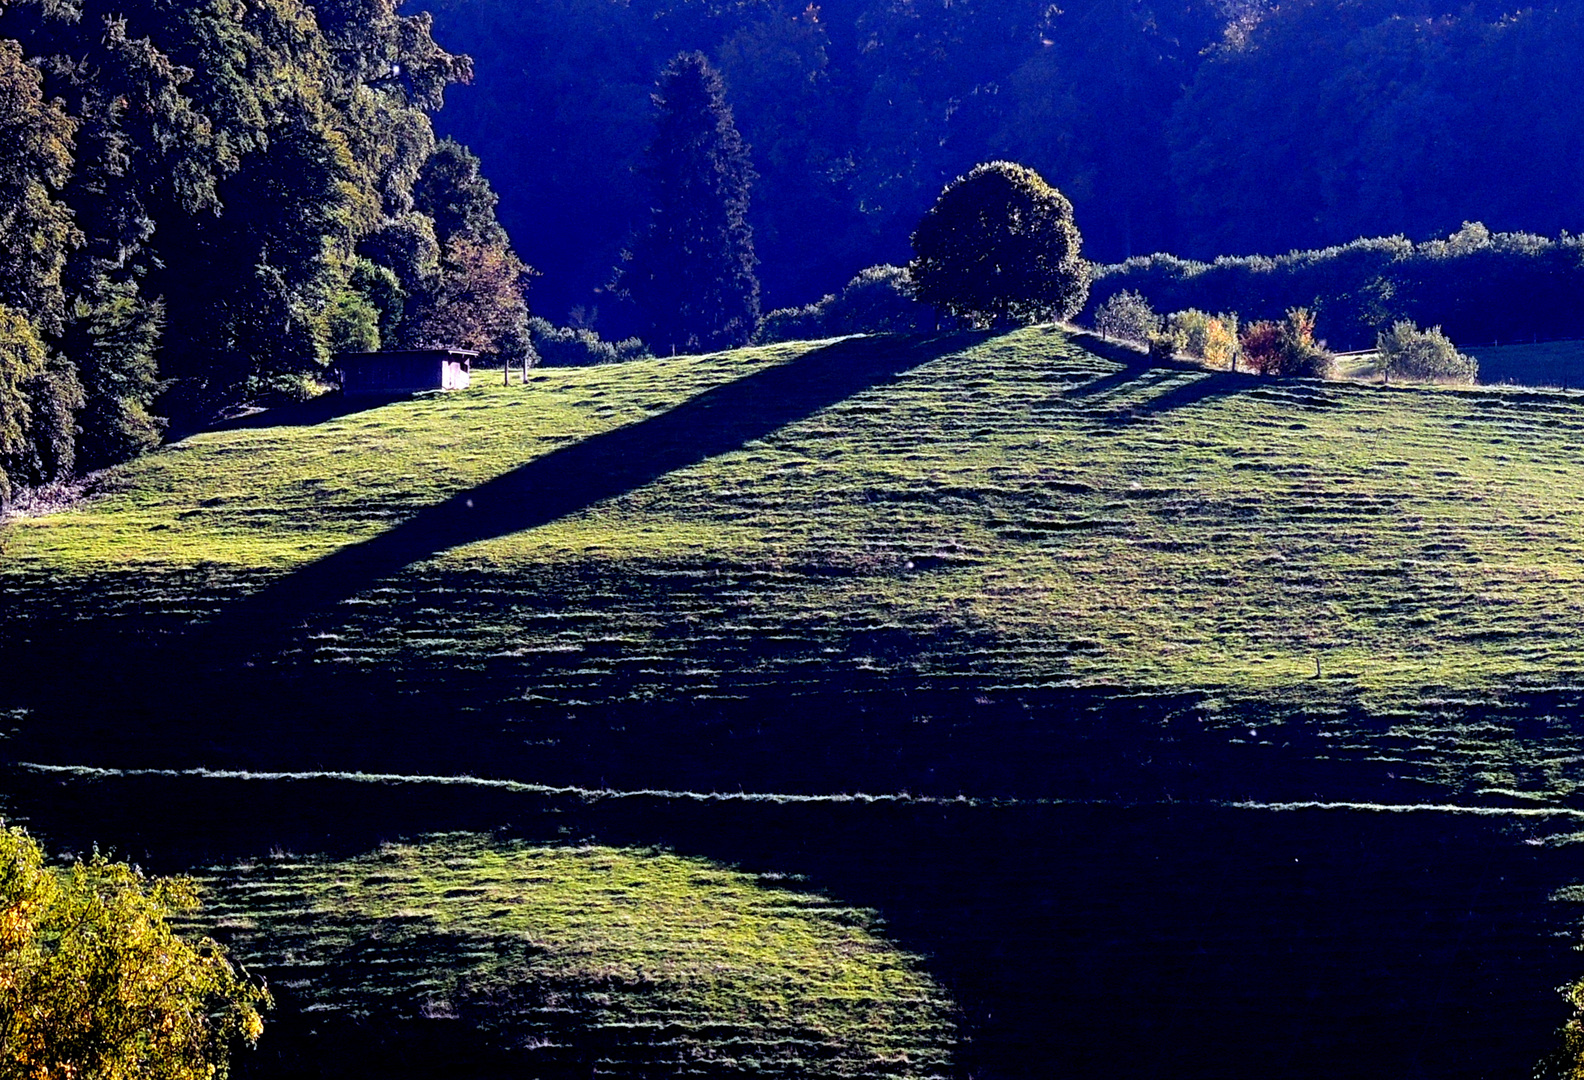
1000,245
94,983
36,228
1409,352
1286,348
1127,315
38,394
479,302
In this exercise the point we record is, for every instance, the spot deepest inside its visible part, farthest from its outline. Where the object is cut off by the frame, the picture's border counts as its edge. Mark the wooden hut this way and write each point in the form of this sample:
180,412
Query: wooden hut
405,371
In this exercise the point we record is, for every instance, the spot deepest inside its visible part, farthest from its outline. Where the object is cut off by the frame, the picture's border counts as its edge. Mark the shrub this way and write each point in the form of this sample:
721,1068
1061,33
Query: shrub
1259,342
94,983
878,300
1412,353
1286,348
1127,315
1211,338
806,323
563,346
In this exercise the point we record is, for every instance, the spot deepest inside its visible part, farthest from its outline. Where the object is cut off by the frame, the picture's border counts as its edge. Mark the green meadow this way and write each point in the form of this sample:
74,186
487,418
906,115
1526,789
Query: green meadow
966,572
980,515
641,960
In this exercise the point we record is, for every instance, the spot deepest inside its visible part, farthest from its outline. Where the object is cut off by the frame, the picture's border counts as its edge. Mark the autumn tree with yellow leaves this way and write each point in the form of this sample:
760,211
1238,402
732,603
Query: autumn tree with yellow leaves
95,984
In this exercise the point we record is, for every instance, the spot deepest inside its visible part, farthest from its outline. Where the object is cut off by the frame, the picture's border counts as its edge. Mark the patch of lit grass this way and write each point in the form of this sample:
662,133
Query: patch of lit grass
562,957
1018,511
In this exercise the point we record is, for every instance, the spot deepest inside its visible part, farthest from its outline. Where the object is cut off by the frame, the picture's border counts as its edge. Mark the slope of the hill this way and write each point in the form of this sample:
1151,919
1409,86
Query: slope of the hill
456,955
967,564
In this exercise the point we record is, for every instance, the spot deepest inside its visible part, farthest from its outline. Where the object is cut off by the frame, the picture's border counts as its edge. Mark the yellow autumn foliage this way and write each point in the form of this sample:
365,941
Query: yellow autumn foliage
95,984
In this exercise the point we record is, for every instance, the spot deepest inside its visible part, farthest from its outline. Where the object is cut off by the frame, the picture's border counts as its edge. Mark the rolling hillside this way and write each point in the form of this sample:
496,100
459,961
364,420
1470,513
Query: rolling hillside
1175,699
641,961
554,582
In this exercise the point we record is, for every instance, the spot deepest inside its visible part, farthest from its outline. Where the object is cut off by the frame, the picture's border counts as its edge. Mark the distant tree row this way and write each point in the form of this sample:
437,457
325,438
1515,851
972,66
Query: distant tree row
1479,286
855,113
205,198
1203,127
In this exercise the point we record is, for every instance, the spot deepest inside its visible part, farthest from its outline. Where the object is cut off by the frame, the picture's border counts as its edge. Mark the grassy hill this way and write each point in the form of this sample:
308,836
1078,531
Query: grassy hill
980,529
1034,587
643,962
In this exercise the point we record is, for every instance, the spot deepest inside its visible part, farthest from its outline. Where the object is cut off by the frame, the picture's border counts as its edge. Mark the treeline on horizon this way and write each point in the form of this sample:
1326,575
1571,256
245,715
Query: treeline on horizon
205,199
202,200
1199,127
1480,287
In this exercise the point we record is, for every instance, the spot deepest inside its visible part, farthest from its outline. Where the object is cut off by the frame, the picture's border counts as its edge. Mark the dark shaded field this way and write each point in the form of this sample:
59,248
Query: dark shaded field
1153,939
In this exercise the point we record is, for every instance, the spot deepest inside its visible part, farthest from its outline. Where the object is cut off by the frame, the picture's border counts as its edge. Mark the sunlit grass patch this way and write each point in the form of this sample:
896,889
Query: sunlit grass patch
558,958
978,515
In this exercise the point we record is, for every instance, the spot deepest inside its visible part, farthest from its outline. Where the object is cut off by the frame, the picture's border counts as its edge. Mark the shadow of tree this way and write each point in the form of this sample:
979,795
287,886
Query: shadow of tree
1134,366
574,478
320,410
159,691
1210,385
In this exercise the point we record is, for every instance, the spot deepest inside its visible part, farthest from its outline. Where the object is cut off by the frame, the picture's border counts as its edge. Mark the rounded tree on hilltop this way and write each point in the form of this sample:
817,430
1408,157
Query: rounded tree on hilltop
691,272
999,246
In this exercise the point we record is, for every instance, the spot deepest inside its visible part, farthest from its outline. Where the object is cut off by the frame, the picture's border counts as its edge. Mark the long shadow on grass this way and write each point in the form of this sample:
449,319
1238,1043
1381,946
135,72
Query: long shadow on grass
1134,365
1137,366
320,410
574,478
149,691
1208,386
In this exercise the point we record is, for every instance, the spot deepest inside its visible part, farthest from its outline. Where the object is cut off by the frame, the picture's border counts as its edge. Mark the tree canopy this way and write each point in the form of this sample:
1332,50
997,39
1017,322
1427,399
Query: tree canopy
94,983
202,196
1200,127
1409,352
1000,245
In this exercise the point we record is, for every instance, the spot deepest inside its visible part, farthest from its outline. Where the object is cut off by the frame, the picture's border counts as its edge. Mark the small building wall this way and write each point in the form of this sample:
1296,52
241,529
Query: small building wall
405,371
455,374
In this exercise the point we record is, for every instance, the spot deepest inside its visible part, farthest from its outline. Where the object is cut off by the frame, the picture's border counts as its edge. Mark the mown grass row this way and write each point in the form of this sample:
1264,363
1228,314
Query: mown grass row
984,518
1235,942
563,961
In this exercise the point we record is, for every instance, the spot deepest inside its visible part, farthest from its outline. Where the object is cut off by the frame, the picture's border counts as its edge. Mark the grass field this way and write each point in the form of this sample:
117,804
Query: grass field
955,528
1035,589
574,961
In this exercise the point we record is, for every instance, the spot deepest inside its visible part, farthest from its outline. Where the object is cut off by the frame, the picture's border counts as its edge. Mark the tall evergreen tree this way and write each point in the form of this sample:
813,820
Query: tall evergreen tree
691,272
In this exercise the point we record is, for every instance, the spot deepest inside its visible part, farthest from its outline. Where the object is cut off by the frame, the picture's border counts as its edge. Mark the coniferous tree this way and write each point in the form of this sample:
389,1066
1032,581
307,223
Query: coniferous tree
691,272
